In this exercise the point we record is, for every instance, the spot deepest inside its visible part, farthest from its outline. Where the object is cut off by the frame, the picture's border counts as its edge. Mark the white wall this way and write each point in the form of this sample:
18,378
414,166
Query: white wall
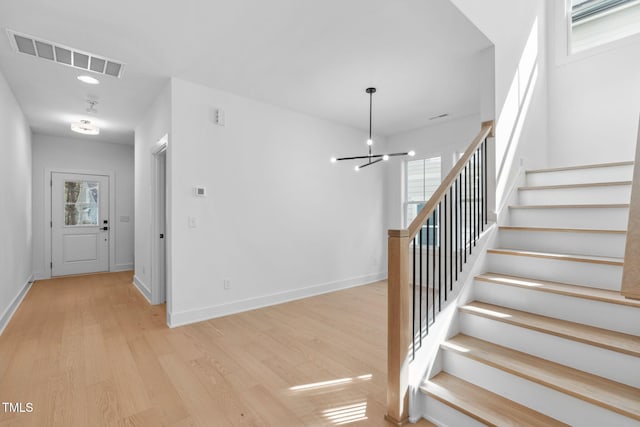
15,204
67,154
279,220
155,125
517,29
442,140
594,100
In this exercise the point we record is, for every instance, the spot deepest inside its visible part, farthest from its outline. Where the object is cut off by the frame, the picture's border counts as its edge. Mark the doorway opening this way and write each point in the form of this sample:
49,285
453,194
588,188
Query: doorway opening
159,236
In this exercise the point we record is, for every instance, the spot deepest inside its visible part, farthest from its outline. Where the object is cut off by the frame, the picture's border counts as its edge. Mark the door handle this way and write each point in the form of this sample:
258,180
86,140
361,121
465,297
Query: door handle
105,228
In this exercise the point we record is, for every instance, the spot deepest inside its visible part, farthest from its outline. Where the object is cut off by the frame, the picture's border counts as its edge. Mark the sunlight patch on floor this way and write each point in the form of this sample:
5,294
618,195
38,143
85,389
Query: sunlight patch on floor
347,414
330,383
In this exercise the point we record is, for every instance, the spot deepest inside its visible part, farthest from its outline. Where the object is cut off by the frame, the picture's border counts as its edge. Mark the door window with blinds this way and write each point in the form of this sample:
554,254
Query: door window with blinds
423,178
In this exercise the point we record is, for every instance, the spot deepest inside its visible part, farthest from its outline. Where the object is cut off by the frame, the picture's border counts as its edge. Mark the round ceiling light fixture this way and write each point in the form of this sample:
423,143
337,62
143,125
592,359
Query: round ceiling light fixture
89,80
85,127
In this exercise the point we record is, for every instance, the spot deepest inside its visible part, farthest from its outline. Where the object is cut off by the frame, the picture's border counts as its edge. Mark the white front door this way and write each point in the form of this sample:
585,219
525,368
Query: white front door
79,223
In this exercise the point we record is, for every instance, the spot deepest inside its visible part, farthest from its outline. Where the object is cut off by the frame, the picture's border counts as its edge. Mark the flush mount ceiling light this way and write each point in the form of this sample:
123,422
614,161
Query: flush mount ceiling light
85,127
371,158
89,80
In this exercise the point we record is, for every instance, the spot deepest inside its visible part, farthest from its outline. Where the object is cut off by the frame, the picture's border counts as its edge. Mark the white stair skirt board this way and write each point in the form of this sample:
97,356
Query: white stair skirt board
615,317
619,193
606,217
445,416
543,399
599,361
578,273
563,241
604,173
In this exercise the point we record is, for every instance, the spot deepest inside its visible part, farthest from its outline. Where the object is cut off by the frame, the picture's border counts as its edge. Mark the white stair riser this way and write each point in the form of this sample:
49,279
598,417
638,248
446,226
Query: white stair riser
581,176
578,273
594,218
596,244
581,195
444,415
599,361
553,403
614,317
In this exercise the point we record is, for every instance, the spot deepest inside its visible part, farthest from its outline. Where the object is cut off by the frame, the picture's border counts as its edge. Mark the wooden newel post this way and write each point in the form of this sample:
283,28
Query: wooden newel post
631,271
398,328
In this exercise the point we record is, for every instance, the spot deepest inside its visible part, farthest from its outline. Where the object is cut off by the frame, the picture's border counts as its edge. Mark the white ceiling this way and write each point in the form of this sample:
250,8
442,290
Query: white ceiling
312,56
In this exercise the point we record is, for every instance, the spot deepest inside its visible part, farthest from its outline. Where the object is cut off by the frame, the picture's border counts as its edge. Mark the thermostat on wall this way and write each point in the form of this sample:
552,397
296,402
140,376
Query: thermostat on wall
200,191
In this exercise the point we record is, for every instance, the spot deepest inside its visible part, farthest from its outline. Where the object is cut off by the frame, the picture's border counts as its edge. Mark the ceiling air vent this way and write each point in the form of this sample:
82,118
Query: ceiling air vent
64,55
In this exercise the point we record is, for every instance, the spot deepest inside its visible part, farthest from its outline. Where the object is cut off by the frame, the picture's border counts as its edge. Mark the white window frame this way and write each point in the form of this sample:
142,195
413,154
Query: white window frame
406,201
562,31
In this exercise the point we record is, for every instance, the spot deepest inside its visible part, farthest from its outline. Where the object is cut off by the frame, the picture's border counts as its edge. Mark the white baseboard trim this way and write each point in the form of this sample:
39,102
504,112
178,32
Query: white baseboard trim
144,290
11,309
121,267
182,318
40,276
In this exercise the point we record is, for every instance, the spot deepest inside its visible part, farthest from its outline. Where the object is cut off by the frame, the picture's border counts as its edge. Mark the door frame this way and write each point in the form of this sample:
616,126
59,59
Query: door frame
48,250
159,295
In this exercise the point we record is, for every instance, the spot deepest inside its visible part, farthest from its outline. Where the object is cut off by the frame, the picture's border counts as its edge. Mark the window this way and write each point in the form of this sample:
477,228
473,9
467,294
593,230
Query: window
596,22
80,203
423,178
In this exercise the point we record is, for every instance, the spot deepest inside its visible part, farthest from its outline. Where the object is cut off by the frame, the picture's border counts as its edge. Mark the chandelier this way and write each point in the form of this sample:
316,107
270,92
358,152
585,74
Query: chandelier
371,158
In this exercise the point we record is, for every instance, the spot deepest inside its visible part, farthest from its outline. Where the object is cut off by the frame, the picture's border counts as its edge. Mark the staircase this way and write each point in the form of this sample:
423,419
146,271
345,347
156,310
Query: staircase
547,338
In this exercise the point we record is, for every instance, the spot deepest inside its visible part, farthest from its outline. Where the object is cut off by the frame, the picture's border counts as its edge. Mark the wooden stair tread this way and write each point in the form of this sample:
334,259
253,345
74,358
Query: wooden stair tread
575,206
578,167
561,230
481,404
561,257
603,338
569,186
585,292
600,391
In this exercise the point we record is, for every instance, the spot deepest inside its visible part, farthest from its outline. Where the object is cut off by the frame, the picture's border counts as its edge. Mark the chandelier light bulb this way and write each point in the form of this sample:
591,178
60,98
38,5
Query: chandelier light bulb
385,157
411,153
369,141
357,168
333,160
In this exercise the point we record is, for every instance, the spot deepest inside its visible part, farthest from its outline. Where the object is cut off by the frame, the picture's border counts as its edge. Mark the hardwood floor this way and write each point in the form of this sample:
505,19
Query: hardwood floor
90,351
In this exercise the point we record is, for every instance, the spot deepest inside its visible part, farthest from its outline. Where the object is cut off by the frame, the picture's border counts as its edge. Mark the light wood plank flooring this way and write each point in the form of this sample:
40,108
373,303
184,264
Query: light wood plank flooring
90,351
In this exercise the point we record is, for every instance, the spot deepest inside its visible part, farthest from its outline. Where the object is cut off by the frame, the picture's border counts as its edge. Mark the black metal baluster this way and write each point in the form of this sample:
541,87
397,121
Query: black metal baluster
426,290
433,264
420,284
470,202
464,228
477,196
450,237
439,256
455,183
443,221
480,191
460,228
486,220
413,323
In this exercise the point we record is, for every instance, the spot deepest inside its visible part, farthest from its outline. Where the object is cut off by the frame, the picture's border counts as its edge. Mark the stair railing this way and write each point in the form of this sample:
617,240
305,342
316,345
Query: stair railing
427,259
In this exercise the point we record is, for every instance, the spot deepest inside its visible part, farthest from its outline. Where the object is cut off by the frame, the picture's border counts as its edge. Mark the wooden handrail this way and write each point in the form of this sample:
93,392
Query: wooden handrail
438,195
631,269
400,338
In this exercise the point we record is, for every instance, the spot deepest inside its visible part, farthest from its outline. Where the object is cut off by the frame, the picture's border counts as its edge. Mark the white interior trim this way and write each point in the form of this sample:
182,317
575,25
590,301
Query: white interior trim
211,312
13,307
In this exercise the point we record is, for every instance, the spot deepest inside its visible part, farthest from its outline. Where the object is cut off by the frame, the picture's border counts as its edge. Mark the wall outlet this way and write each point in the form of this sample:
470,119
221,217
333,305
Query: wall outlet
226,283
